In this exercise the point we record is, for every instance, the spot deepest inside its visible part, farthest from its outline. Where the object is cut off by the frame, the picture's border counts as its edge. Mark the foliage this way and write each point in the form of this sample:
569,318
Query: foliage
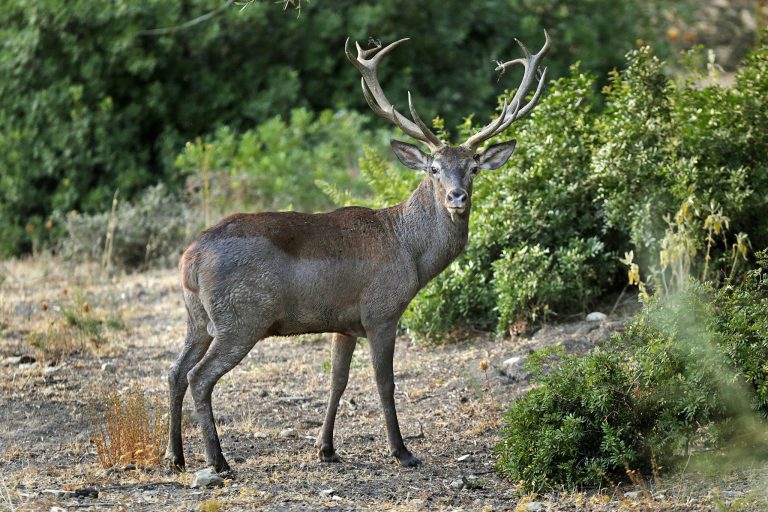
275,165
687,374
151,231
96,99
129,429
587,185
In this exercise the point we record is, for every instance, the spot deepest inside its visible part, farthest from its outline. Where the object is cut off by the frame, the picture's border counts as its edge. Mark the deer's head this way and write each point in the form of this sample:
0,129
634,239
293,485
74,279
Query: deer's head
451,168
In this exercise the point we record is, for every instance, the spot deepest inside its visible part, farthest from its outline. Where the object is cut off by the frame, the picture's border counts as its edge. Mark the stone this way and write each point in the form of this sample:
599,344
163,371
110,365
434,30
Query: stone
57,493
633,495
472,482
535,506
109,367
514,368
260,435
465,458
87,492
730,494
457,484
596,316
18,360
327,492
206,478
288,433
239,459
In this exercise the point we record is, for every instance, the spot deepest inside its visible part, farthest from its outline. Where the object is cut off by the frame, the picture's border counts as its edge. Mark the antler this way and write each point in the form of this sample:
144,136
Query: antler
366,62
512,111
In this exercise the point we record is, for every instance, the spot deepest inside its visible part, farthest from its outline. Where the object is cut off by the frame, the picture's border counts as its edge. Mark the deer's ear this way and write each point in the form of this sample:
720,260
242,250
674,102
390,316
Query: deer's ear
409,155
496,156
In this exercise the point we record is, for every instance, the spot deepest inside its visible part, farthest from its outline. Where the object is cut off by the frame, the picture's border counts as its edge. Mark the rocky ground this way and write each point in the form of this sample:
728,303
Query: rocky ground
128,330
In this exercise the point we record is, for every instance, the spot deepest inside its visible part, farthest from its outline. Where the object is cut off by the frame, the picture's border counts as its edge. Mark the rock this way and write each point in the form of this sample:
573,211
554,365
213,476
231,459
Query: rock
57,493
467,482
514,368
287,433
109,367
596,316
472,482
328,492
260,435
535,506
206,478
87,492
633,495
18,360
730,494
239,459
465,458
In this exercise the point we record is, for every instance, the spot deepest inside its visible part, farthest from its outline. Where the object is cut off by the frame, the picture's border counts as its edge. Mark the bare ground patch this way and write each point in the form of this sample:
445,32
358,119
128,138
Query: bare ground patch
449,410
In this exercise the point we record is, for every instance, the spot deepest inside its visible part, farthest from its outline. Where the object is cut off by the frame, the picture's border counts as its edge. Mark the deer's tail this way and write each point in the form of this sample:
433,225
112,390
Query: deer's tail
188,268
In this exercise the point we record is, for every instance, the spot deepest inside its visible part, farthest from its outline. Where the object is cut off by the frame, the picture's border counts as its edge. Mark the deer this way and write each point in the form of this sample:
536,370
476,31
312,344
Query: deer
351,272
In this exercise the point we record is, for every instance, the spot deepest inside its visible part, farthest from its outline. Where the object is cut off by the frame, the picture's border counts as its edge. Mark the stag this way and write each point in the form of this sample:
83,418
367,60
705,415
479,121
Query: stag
351,272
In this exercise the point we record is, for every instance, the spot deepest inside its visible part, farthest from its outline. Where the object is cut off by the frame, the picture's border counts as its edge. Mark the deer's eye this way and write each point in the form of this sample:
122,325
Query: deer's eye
473,170
433,170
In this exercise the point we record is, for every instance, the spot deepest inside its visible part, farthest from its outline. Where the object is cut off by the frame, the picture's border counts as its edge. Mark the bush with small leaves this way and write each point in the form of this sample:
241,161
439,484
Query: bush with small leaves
688,375
149,232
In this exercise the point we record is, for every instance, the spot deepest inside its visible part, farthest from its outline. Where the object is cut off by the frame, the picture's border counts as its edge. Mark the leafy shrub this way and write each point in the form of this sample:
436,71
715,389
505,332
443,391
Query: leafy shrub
587,185
94,99
687,374
276,164
151,231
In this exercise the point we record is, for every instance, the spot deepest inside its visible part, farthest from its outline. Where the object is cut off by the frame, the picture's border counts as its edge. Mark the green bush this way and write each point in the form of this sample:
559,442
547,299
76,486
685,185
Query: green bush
689,374
95,100
151,231
587,185
276,164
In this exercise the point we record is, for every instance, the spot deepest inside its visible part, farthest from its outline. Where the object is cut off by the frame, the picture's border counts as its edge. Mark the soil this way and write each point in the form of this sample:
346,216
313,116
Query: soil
449,409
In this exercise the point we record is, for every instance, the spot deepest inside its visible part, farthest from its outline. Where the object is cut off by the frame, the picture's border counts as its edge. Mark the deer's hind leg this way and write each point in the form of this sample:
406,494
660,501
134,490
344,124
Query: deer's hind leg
195,346
235,336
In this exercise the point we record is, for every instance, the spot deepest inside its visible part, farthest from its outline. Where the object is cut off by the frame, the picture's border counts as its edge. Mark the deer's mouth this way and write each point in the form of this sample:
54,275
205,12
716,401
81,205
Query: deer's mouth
454,211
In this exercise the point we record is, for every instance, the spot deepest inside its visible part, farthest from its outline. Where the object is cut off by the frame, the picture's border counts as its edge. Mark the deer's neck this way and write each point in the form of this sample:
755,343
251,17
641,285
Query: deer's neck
428,233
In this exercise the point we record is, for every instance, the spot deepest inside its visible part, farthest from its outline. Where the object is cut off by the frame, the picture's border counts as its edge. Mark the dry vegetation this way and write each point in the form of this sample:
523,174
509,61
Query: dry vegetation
449,398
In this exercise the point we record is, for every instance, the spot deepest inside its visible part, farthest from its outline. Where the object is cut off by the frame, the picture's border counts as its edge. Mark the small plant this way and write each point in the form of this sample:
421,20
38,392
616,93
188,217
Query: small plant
128,429
71,327
687,377
148,232
681,248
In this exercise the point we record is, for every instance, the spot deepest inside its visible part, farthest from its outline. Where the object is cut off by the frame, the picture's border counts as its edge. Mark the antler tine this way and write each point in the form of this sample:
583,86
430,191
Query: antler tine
366,63
423,127
530,65
486,132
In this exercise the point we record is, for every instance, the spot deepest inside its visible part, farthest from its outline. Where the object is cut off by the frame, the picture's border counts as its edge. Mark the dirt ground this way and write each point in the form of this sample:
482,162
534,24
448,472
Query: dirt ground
449,410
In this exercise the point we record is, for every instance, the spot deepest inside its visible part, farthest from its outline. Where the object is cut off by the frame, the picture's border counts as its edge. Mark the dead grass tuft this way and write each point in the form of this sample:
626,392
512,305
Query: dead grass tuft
129,429
70,328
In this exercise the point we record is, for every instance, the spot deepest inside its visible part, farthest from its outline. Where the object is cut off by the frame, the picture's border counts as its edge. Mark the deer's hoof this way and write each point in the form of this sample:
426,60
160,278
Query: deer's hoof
407,459
175,463
327,454
222,468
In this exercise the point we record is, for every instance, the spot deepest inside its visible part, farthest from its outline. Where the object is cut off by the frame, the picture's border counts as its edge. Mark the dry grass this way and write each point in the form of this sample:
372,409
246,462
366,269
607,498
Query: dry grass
70,325
129,429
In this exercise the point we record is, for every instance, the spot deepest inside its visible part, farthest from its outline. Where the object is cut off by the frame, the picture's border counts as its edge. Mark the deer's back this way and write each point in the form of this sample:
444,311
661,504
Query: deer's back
312,272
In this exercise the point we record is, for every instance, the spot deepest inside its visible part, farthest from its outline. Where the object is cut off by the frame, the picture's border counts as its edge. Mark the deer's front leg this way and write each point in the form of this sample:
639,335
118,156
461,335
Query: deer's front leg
382,342
342,348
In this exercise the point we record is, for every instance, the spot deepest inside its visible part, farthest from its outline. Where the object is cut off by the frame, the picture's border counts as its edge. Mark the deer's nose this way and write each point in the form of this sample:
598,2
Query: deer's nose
457,198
